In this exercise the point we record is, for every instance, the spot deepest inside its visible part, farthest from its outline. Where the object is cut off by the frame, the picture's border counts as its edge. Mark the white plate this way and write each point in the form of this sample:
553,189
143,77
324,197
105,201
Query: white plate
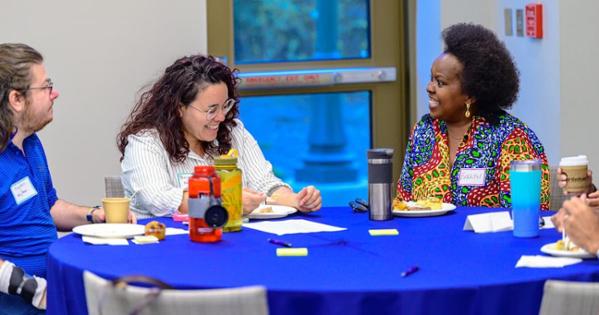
551,250
110,230
277,212
445,207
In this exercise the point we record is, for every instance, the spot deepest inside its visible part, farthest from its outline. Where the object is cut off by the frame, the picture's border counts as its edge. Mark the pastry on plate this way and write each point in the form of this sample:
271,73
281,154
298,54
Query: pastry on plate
427,204
263,210
399,205
567,246
424,204
155,228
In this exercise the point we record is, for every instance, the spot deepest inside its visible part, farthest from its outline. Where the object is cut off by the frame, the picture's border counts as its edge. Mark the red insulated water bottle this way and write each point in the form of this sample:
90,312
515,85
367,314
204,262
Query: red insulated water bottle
206,215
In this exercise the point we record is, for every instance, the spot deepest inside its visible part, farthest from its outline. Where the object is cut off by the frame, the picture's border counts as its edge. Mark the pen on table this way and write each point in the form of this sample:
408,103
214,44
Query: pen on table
279,242
410,271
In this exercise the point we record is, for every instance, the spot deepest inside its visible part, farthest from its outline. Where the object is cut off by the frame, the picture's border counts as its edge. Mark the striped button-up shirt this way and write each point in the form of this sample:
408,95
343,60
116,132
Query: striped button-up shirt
155,183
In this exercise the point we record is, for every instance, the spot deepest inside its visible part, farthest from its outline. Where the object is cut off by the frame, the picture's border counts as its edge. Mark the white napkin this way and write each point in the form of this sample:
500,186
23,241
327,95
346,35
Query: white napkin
540,261
292,227
175,231
489,222
104,241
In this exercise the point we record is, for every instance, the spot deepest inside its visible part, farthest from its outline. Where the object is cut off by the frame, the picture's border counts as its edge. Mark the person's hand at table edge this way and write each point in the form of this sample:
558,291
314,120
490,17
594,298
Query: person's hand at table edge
309,199
251,200
306,200
581,224
558,219
99,216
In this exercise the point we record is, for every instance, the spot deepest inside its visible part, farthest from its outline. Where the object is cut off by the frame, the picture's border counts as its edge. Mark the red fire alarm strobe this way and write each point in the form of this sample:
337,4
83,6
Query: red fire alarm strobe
534,20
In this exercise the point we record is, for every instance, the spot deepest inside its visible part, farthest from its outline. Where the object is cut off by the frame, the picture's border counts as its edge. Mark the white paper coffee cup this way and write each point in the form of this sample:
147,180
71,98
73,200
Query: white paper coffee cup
576,169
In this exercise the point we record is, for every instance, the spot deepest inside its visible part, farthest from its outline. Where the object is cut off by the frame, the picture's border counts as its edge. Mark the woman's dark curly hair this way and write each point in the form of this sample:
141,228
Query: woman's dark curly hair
489,74
158,107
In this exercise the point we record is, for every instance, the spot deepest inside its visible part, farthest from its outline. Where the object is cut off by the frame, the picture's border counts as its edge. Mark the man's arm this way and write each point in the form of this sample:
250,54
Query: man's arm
67,215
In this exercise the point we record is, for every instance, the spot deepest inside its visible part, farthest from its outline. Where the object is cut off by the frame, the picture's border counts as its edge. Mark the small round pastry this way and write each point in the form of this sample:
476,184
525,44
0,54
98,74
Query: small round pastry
156,228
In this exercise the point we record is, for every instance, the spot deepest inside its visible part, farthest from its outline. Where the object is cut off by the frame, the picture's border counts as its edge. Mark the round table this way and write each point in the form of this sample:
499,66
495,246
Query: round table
347,272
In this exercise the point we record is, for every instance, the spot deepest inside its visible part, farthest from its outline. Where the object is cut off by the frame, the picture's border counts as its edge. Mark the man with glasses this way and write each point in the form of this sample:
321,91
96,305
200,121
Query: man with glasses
30,211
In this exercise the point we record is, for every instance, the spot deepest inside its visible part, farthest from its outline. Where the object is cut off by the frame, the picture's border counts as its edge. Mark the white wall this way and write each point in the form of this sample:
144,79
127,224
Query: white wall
479,12
579,69
99,54
539,63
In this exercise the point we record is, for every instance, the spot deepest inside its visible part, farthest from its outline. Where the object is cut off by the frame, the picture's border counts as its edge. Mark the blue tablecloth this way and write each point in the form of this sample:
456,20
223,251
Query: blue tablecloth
348,272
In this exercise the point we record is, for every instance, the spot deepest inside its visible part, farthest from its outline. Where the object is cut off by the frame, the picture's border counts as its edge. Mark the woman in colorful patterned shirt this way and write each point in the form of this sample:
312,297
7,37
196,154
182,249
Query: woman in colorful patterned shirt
461,151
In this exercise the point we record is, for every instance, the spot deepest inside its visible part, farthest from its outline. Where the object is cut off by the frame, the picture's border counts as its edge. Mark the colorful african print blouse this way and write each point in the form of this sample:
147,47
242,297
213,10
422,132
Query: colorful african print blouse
486,148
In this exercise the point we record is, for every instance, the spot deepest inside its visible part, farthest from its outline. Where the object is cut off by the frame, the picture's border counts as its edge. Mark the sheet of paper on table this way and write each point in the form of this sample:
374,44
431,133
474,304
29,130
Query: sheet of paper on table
489,222
540,261
292,227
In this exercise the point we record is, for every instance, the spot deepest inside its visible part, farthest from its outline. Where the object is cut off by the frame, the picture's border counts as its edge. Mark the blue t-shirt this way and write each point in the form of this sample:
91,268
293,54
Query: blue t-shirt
26,225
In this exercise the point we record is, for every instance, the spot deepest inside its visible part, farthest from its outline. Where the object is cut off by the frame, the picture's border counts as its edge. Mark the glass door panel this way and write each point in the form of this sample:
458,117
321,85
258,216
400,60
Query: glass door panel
322,81
314,139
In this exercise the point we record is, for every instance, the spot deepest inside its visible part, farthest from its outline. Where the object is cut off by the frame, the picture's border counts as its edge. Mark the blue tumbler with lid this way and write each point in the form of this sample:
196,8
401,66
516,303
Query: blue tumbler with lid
525,183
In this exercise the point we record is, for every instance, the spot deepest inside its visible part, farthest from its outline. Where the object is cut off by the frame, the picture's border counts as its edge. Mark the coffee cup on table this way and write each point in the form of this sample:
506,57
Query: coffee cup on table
116,209
576,169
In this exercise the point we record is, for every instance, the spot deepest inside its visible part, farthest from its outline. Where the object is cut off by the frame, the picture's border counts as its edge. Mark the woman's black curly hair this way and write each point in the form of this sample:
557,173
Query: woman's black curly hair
489,74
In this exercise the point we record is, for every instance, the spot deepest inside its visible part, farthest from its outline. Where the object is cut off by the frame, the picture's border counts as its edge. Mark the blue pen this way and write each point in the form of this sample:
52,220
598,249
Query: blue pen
410,271
279,242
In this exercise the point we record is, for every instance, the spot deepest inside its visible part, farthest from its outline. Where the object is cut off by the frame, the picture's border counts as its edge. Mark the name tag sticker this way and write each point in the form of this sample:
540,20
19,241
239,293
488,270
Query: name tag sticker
472,177
23,190
183,179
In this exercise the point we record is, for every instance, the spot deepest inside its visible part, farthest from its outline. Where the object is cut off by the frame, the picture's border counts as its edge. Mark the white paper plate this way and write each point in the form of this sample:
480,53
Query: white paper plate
445,207
277,212
110,230
551,250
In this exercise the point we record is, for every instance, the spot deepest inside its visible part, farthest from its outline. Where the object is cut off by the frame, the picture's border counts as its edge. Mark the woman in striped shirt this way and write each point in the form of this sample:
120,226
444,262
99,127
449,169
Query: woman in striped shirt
188,117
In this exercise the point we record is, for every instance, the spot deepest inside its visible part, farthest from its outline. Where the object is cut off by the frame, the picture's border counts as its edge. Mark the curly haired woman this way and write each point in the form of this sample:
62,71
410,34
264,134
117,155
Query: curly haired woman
461,151
185,119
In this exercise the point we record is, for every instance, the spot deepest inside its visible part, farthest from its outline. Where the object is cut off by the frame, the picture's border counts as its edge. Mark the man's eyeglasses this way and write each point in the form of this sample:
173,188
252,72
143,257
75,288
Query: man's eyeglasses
213,109
49,85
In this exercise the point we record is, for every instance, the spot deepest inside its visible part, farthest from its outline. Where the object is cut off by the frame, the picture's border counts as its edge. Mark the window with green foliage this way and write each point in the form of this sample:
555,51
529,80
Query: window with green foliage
300,30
